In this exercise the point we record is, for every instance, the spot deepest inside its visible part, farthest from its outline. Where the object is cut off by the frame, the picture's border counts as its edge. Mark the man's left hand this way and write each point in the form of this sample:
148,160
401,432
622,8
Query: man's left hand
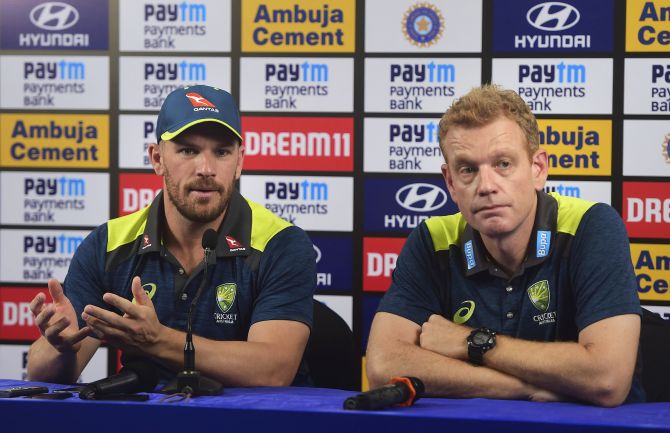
135,331
443,336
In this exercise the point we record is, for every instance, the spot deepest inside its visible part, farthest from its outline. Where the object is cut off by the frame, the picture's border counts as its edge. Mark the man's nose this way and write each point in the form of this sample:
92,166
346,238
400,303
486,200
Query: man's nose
487,181
206,163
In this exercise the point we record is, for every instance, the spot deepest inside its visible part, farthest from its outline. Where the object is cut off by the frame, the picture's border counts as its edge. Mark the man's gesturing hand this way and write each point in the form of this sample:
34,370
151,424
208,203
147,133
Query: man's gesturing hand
134,332
57,322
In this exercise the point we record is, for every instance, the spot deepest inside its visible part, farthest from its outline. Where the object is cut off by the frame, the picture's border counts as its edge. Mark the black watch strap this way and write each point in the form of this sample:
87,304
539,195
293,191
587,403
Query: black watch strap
476,355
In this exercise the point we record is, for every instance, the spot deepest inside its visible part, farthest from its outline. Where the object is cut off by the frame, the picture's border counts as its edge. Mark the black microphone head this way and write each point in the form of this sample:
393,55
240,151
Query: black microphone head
210,239
146,372
418,385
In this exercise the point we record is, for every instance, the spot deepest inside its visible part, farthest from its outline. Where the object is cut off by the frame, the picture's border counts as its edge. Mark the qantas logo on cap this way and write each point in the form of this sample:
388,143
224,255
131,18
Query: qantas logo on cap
199,101
146,242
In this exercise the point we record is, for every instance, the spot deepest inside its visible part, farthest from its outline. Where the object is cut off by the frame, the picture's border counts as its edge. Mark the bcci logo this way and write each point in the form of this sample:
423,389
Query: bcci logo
539,295
225,296
666,148
423,24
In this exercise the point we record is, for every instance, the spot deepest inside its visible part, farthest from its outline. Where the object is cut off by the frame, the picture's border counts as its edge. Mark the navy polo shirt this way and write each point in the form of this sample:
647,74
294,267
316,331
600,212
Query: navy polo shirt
577,271
264,269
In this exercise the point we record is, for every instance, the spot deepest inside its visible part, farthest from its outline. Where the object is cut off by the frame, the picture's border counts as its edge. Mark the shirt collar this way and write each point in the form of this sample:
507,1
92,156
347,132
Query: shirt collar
234,234
543,236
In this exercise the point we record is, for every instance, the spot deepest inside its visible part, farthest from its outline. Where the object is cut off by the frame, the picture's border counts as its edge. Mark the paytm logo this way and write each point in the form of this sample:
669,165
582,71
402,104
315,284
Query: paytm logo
408,133
305,190
62,186
183,71
183,12
54,16
553,16
560,73
426,73
660,72
61,70
421,197
306,71
565,190
61,244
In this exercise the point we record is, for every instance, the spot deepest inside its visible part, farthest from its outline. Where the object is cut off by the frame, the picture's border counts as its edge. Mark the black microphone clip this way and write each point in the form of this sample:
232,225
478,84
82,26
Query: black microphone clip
401,391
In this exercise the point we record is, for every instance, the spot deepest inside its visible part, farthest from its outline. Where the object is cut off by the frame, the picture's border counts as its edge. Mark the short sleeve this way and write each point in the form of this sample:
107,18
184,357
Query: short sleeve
414,286
84,282
286,278
601,268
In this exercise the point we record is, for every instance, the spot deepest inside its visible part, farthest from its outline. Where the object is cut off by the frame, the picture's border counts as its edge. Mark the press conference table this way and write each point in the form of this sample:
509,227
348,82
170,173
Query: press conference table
298,410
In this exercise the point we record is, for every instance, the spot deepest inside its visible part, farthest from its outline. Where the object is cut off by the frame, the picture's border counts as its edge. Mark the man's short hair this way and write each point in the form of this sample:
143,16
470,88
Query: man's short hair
482,105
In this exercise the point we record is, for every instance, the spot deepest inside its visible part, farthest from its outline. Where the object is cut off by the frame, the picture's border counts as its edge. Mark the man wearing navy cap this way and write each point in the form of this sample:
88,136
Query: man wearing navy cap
132,280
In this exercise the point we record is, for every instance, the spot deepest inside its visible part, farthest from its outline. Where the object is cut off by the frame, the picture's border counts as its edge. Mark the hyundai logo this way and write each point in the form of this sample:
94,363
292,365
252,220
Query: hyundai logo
318,253
54,16
553,16
421,197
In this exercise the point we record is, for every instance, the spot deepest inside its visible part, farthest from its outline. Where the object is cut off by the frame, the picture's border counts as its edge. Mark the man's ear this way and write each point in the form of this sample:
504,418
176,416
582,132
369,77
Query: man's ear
449,181
240,161
156,158
540,167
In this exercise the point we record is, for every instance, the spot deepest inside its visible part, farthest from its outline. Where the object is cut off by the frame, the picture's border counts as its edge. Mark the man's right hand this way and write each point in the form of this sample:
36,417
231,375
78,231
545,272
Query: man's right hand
57,322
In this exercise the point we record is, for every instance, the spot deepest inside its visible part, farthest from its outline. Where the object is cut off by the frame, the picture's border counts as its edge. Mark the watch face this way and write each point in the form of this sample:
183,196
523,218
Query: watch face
480,338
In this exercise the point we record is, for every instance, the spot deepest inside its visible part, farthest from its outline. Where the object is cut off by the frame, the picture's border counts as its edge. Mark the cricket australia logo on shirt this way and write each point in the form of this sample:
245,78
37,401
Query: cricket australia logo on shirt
540,296
225,298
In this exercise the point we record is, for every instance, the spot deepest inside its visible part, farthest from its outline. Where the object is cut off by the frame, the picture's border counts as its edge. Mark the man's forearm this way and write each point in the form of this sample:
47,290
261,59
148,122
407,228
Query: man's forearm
46,364
563,367
443,376
233,363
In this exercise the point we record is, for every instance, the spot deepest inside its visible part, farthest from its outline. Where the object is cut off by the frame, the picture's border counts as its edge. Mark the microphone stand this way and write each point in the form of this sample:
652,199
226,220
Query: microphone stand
190,381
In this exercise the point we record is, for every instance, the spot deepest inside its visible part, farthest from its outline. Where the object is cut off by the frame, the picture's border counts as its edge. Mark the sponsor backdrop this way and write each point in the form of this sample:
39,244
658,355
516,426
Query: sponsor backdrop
340,104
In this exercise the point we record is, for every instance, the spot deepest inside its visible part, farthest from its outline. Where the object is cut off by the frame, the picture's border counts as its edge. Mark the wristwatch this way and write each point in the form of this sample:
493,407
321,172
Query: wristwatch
480,341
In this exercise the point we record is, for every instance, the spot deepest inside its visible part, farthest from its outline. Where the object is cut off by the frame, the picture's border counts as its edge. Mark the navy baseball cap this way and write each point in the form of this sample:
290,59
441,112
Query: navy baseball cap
189,106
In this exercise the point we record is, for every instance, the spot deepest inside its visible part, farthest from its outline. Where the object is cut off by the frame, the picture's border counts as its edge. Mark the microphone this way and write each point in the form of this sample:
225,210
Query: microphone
190,381
402,391
209,240
136,376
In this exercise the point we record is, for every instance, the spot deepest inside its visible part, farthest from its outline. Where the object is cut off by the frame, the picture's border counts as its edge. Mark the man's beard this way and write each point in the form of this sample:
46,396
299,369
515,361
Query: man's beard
189,209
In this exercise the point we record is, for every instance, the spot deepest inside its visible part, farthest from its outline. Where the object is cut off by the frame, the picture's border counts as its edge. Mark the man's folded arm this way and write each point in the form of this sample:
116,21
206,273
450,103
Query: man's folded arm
393,350
598,368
